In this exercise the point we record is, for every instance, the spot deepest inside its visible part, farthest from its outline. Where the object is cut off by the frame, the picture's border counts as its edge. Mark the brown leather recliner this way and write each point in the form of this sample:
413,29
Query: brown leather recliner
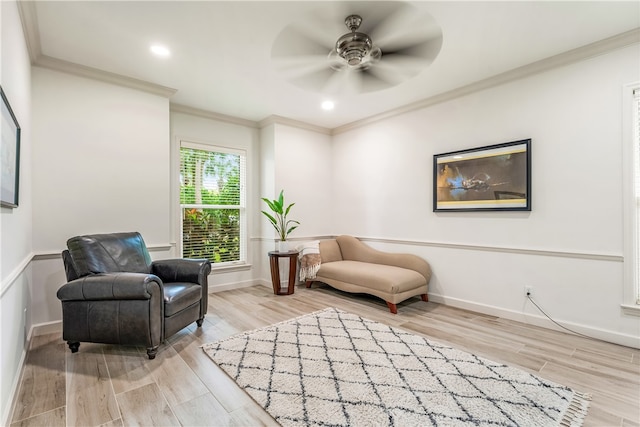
116,295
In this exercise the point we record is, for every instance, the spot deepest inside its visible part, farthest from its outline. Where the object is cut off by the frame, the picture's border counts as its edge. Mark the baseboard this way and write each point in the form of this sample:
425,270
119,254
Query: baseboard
13,394
46,328
234,285
539,320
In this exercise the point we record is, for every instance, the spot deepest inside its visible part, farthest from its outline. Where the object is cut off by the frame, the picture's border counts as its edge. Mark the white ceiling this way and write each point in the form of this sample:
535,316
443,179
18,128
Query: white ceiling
221,51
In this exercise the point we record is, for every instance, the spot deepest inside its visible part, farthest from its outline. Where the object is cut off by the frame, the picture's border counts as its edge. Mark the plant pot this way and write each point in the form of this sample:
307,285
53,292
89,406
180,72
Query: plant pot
283,246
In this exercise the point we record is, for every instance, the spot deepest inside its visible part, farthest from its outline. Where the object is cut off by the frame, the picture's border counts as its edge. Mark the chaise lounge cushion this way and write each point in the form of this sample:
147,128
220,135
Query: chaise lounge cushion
384,278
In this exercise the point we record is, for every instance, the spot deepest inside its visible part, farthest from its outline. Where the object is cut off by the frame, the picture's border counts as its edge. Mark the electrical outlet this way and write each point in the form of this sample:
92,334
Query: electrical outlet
528,291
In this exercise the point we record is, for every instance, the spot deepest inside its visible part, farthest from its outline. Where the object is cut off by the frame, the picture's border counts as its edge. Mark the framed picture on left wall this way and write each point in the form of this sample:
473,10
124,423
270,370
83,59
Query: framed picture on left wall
9,156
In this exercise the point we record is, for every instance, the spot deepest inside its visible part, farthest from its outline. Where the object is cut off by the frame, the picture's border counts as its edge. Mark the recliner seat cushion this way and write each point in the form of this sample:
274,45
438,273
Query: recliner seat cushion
178,296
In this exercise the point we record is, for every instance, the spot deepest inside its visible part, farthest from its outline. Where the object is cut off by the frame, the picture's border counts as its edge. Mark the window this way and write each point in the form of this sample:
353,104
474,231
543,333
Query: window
636,184
212,203
631,186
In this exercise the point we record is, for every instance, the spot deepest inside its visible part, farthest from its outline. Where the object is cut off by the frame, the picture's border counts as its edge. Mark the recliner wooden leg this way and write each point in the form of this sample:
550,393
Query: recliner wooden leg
425,297
74,346
392,307
199,322
151,352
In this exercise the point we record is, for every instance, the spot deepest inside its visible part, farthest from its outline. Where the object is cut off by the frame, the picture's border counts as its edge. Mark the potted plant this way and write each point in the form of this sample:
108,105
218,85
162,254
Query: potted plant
282,225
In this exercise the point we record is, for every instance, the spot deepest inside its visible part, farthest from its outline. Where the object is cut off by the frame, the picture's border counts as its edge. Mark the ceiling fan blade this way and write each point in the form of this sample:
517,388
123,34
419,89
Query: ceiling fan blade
340,82
294,41
405,28
315,80
293,67
386,18
424,50
379,78
371,81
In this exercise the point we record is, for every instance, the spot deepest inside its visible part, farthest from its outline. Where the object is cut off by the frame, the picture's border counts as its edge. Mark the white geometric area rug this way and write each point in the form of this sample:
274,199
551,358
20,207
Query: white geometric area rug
335,368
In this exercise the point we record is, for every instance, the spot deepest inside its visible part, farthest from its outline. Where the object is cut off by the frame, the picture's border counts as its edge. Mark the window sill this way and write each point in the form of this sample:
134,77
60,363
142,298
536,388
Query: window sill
631,309
230,268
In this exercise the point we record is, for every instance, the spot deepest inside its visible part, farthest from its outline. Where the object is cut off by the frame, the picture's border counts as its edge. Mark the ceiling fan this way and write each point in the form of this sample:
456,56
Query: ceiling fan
386,44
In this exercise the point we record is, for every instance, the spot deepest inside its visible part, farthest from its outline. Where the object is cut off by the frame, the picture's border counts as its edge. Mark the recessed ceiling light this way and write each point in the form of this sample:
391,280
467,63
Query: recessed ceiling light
160,51
328,105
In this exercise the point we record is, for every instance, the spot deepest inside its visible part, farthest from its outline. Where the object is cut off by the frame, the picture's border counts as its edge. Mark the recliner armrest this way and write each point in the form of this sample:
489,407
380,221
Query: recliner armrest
182,270
112,286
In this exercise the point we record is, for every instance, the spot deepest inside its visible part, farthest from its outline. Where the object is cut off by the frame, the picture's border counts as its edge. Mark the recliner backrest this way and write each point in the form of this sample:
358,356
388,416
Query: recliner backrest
69,267
109,253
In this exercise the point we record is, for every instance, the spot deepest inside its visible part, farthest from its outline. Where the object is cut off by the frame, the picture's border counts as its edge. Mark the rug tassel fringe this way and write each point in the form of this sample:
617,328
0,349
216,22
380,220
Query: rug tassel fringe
577,410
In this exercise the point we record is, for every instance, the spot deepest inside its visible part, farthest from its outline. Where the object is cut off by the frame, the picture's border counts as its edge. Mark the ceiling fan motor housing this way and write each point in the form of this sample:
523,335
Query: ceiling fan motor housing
353,47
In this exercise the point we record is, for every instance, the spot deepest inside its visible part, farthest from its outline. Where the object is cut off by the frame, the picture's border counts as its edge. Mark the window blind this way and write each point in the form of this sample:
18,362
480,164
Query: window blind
212,202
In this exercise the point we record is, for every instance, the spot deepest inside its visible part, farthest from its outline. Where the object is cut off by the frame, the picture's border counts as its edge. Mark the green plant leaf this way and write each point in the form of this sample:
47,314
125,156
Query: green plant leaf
288,209
271,218
279,219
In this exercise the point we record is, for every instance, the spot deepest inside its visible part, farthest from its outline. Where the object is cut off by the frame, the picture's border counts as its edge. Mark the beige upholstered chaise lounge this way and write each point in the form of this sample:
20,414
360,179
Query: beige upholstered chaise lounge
351,266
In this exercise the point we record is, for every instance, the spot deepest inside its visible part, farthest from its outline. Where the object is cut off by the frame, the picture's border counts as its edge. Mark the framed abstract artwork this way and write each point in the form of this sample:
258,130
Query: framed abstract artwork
491,178
9,156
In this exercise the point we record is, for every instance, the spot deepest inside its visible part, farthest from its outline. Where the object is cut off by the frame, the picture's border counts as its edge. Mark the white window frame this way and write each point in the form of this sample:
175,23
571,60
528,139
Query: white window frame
631,167
243,263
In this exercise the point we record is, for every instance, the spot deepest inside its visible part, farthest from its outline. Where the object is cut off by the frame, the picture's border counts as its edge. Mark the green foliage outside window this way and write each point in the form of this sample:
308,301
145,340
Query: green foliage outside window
210,178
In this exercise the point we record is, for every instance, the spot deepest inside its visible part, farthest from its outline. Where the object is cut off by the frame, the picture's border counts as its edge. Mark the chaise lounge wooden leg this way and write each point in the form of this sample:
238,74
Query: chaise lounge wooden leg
308,283
424,297
392,307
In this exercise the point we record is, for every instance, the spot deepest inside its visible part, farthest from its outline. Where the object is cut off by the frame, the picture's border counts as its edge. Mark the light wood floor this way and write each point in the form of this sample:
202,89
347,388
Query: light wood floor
114,386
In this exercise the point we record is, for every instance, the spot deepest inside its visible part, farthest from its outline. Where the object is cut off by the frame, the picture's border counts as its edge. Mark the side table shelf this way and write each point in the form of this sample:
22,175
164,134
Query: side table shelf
274,258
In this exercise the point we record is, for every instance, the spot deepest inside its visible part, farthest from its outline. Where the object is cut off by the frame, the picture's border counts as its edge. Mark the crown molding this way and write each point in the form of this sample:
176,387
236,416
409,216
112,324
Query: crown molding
29,20
293,123
270,120
101,75
572,56
185,109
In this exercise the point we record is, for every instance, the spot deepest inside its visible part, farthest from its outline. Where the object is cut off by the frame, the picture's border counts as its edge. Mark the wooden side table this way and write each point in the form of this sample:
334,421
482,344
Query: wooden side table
274,258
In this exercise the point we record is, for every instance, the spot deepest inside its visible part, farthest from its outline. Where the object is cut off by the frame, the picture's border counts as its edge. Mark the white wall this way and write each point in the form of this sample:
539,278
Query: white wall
569,247
16,248
100,165
101,160
302,162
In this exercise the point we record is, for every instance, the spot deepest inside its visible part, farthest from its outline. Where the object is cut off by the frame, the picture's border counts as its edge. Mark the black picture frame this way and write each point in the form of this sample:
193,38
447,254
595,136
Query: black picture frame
9,156
490,178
